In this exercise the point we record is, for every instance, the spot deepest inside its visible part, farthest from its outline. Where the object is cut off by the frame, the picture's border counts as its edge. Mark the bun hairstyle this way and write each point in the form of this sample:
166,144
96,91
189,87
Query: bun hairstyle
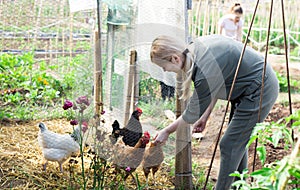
236,8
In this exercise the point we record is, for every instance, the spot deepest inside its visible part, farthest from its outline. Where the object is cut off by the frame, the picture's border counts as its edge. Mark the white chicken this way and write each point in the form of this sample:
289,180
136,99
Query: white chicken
58,147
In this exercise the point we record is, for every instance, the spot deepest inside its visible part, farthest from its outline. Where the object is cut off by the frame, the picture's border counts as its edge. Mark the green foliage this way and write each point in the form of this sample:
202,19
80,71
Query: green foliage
149,87
200,177
117,88
280,174
296,52
270,133
283,83
241,183
29,86
25,85
155,109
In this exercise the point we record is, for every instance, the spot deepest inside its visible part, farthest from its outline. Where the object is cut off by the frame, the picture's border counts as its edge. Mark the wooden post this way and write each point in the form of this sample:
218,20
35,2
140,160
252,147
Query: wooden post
130,86
97,76
183,158
136,88
109,62
98,98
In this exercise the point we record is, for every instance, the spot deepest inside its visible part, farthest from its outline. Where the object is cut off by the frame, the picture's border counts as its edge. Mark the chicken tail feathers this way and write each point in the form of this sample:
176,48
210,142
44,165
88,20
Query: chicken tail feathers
116,132
42,127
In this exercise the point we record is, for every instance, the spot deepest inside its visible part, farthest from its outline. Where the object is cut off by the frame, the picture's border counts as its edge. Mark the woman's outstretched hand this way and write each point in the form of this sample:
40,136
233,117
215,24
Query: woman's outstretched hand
161,137
199,125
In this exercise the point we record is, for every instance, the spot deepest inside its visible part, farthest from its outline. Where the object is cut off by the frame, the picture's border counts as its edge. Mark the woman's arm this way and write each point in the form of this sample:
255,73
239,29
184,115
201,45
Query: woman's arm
163,135
239,34
200,124
239,30
220,29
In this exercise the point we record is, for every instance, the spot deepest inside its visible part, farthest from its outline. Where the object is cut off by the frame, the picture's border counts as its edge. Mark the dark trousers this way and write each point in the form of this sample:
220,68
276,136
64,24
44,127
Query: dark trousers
167,91
234,155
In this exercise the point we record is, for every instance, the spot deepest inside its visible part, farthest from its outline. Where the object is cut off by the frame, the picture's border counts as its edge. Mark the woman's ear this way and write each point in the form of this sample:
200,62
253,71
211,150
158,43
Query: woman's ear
175,59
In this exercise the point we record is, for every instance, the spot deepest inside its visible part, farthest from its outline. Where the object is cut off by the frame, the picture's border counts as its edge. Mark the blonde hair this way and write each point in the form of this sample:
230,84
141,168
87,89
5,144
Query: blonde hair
162,49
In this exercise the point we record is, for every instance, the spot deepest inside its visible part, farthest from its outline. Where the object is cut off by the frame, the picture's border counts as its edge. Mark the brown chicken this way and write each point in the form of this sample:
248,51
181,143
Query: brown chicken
129,158
152,160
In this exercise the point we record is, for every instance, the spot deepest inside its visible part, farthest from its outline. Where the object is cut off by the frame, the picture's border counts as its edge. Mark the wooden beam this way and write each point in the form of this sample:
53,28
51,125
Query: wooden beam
98,88
129,104
109,63
98,77
183,157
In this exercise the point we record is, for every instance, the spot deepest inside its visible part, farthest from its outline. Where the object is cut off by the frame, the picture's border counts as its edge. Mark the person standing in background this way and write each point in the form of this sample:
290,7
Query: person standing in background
230,25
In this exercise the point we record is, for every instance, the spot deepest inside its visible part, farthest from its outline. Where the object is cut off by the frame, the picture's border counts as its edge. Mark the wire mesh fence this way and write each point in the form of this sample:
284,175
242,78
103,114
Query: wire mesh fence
65,41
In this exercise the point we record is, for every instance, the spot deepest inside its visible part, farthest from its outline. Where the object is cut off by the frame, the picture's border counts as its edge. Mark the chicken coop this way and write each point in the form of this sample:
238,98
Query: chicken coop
100,50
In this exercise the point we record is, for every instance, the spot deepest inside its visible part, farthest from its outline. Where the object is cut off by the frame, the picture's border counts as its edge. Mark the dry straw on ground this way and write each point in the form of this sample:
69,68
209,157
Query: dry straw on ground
21,161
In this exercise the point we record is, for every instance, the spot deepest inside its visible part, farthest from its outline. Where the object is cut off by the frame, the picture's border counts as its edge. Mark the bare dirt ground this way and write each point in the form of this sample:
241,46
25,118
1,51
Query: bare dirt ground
203,150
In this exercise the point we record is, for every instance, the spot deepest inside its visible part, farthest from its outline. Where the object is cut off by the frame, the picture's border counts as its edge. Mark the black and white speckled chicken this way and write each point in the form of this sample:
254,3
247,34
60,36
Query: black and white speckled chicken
58,147
132,132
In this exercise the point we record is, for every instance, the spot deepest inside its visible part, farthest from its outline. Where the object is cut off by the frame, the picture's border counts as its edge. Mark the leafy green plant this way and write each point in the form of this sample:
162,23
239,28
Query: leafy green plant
149,87
280,174
38,85
200,177
283,83
271,133
241,183
296,52
24,83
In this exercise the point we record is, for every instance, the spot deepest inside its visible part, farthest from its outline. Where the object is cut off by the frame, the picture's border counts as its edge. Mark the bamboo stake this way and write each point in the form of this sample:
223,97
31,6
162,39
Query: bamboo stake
199,26
136,84
286,46
206,15
63,38
196,22
61,17
37,24
97,74
3,24
214,19
263,81
71,36
98,88
208,9
109,62
130,86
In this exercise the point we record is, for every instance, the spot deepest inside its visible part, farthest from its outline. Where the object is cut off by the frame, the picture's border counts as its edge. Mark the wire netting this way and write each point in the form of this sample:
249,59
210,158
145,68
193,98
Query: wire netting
65,41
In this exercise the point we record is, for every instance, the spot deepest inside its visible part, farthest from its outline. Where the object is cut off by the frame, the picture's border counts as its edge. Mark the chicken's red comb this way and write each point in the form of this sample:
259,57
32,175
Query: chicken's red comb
139,110
147,134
